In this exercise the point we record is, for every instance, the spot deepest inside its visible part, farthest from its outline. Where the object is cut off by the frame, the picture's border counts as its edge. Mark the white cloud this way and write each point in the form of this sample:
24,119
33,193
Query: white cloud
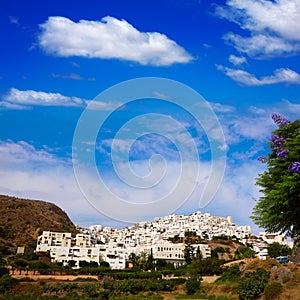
236,195
109,38
33,173
222,108
73,76
292,107
273,25
31,97
21,153
280,76
38,173
14,106
14,20
18,99
261,45
237,60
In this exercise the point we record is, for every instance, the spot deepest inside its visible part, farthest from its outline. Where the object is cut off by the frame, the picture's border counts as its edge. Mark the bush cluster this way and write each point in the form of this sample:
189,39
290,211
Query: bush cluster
273,290
252,284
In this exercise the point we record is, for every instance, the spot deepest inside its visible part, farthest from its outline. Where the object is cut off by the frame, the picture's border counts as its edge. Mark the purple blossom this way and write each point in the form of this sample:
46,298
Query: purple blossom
263,159
277,141
280,121
282,153
295,167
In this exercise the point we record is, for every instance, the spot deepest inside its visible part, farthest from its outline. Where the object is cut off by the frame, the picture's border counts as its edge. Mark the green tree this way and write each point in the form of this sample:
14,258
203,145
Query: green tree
252,284
134,259
188,253
3,271
104,264
150,261
275,249
244,252
84,264
43,266
161,264
7,283
278,208
94,264
21,264
205,267
192,285
230,274
72,263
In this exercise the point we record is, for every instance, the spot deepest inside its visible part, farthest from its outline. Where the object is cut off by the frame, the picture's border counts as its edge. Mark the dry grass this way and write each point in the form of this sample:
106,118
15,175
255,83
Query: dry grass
22,220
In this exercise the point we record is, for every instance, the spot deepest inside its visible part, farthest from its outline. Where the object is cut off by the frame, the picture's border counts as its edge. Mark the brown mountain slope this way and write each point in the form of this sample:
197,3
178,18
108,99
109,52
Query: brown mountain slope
22,220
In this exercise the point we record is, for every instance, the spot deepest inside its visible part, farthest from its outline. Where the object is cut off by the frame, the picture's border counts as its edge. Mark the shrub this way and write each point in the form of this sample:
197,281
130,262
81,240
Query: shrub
7,283
273,290
3,271
252,284
192,285
230,274
275,249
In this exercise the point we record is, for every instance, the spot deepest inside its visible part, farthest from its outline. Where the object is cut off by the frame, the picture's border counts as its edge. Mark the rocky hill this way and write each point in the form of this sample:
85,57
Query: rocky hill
22,220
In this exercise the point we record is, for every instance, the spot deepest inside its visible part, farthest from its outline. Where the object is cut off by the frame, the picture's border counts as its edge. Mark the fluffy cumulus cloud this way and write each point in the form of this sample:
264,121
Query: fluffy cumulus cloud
273,26
109,38
282,75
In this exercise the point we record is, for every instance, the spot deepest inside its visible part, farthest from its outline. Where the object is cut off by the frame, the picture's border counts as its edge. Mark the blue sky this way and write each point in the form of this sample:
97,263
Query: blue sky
241,56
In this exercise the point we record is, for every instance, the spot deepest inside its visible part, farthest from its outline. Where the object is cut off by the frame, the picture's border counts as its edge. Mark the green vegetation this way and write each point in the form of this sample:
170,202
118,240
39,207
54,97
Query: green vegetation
252,284
230,275
244,281
7,283
273,290
245,252
275,250
192,285
278,209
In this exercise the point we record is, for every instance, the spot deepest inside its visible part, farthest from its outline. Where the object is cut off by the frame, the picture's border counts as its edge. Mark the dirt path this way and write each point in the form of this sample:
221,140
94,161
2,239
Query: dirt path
53,277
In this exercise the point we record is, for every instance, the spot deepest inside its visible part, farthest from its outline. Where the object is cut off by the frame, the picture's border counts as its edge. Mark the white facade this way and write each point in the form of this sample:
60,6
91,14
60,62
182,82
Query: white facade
144,233
118,244
175,252
275,237
115,253
51,239
65,254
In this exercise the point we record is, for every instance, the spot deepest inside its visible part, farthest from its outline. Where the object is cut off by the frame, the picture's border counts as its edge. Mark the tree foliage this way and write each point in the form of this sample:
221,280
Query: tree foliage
278,208
205,267
275,249
244,252
192,285
252,284
188,253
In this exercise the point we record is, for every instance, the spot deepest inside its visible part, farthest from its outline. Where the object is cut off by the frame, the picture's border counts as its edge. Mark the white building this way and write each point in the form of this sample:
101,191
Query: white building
117,244
51,239
275,237
65,254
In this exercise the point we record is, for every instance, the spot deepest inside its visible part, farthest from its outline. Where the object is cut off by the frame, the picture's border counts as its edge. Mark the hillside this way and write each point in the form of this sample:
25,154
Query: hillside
22,220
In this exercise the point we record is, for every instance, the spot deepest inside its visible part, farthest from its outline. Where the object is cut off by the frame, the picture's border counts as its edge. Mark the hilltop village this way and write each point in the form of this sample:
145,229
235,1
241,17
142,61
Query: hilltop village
163,238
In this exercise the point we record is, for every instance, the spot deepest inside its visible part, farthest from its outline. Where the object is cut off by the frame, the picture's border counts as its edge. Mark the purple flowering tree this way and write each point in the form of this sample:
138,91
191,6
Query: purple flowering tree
278,209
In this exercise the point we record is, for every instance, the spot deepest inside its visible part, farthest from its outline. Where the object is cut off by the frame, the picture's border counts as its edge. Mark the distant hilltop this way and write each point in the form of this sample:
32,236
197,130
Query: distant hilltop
204,226
22,220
